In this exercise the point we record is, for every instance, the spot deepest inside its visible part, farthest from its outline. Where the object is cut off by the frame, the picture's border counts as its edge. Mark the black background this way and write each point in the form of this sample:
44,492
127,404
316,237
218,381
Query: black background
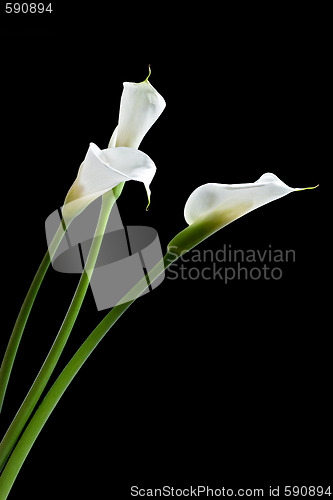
199,382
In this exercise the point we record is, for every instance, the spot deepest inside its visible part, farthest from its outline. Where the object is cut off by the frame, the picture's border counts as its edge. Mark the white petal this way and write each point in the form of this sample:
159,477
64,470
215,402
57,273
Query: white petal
212,206
140,106
102,170
113,139
216,198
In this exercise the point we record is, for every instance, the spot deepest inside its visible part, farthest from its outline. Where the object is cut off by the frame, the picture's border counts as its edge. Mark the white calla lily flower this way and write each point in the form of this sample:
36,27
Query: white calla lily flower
104,169
212,206
140,107
214,199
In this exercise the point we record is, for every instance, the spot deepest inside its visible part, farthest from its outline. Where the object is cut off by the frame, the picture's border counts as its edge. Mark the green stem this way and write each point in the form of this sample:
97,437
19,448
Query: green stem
28,405
13,344
52,397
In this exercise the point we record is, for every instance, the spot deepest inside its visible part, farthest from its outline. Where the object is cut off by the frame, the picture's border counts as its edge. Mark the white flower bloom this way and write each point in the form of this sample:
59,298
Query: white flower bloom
140,106
212,206
103,170
215,199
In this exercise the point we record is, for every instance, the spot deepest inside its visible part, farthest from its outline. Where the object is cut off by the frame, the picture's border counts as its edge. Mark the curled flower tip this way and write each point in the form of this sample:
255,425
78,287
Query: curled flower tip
148,196
303,189
149,69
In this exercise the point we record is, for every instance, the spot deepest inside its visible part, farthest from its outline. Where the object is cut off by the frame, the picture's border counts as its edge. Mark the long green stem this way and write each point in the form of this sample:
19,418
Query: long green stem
51,399
14,341
46,371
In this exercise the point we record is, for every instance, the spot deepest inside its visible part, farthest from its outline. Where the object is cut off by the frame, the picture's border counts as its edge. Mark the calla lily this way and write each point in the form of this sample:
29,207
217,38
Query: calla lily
140,106
102,170
212,206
